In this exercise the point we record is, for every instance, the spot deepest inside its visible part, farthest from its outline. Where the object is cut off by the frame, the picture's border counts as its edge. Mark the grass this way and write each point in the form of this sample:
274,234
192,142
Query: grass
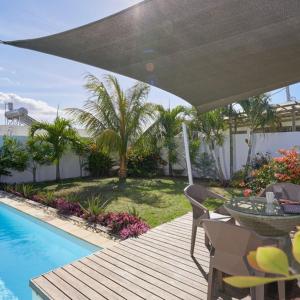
156,200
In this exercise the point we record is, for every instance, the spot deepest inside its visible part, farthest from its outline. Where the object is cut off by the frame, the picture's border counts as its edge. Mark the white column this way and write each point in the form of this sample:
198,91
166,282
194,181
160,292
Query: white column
187,153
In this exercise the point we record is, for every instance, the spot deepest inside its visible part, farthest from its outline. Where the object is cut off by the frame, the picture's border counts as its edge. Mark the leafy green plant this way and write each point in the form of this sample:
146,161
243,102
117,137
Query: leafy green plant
40,153
99,163
60,135
115,118
134,212
163,131
27,190
142,163
95,206
12,156
268,260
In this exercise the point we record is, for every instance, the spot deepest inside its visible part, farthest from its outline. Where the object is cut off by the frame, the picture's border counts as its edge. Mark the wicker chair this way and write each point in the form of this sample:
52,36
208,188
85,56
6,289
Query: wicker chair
197,194
283,190
229,257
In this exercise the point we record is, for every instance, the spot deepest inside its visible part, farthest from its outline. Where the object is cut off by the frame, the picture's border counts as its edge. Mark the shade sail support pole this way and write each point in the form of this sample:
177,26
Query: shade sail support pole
187,153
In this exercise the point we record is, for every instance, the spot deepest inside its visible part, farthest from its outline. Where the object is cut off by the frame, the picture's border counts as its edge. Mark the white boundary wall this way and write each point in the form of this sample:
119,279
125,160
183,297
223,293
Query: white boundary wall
69,166
263,142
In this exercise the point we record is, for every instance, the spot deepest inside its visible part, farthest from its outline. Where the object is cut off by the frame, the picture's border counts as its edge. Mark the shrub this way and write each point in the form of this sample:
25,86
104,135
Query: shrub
123,224
65,207
143,163
99,163
96,206
285,168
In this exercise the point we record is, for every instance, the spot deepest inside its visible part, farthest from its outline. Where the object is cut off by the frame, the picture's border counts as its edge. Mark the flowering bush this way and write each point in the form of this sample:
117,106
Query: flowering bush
123,224
285,168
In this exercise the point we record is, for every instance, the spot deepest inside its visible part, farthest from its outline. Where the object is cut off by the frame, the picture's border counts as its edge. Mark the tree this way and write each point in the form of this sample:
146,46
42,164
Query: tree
259,113
12,156
60,135
81,147
232,114
164,130
40,153
115,118
212,125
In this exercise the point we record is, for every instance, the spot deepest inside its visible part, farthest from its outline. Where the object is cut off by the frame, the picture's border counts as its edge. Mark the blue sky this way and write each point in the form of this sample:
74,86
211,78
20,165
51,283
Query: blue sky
42,82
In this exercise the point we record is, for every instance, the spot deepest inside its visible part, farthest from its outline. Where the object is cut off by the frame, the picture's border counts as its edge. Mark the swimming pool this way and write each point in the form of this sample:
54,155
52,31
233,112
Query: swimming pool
28,248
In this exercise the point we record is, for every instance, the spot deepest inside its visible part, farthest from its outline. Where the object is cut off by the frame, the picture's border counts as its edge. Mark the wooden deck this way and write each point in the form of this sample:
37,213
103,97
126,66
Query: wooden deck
155,266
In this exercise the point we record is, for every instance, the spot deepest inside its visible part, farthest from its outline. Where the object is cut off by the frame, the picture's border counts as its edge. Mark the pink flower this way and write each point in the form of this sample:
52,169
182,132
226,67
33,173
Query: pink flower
247,192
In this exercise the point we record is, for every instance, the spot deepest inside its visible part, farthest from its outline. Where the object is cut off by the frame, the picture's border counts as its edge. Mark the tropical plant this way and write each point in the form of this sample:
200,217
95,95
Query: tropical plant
81,147
98,162
95,206
115,118
144,163
259,114
60,135
40,153
13,156
164,130
212,125
270,260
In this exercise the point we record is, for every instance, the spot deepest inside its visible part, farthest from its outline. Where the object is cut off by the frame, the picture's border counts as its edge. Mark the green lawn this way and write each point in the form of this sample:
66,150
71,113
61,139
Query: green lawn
156,200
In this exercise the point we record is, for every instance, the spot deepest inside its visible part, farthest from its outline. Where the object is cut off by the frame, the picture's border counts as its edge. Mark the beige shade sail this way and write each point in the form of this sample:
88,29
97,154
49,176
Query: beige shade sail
208,52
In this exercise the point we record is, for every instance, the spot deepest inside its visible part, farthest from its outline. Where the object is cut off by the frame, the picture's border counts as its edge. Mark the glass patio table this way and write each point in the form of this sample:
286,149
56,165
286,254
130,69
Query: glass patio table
252,213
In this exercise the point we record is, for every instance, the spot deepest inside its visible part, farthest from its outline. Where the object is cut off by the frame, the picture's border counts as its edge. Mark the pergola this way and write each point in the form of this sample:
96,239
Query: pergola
208,52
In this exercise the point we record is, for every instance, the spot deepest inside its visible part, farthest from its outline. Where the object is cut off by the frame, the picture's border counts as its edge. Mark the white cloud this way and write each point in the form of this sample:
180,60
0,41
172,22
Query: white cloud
37,109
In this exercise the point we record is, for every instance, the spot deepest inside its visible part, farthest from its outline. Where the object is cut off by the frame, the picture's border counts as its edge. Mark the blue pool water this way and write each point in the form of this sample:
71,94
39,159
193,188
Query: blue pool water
28,248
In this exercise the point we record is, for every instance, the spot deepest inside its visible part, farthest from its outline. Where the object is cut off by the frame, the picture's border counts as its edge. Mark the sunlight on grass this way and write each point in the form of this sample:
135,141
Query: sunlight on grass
156,200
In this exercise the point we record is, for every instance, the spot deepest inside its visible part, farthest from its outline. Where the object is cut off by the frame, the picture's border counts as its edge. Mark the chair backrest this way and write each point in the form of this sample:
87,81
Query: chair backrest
231,244
283,190
197,194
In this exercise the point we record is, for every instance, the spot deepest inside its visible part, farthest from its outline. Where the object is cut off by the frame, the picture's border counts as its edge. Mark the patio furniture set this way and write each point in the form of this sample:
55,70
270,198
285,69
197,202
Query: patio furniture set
242,225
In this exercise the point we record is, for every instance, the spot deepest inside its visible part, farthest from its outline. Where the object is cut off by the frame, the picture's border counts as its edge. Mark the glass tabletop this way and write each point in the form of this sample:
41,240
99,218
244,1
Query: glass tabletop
255,206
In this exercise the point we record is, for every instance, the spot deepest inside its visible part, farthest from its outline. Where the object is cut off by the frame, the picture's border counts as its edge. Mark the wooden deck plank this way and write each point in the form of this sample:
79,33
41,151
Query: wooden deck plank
123,281
164,289
113,290
164,272
77,283
64,286
141,255
49,291
155,266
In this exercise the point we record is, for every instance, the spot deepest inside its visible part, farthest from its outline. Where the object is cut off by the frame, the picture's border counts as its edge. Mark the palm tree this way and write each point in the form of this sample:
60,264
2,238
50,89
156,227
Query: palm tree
212,125
115,118
259,113
164,130
60,135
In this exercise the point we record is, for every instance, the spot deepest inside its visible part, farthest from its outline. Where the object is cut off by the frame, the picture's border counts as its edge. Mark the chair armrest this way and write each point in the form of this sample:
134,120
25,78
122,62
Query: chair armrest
197,204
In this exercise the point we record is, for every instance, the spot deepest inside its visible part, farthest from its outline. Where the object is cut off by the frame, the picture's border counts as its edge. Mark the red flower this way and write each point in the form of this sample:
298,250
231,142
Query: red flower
247,192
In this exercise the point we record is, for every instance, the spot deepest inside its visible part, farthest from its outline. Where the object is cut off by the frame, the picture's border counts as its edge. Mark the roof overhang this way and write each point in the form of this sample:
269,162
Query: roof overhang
209,52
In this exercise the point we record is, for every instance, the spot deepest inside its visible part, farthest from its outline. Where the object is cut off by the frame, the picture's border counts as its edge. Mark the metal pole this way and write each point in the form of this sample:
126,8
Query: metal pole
288,93
187,153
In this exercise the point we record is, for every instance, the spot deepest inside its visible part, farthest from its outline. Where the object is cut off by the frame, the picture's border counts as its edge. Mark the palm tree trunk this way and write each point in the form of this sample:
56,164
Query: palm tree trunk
249,154
170,164
57,170
217,164
123,169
